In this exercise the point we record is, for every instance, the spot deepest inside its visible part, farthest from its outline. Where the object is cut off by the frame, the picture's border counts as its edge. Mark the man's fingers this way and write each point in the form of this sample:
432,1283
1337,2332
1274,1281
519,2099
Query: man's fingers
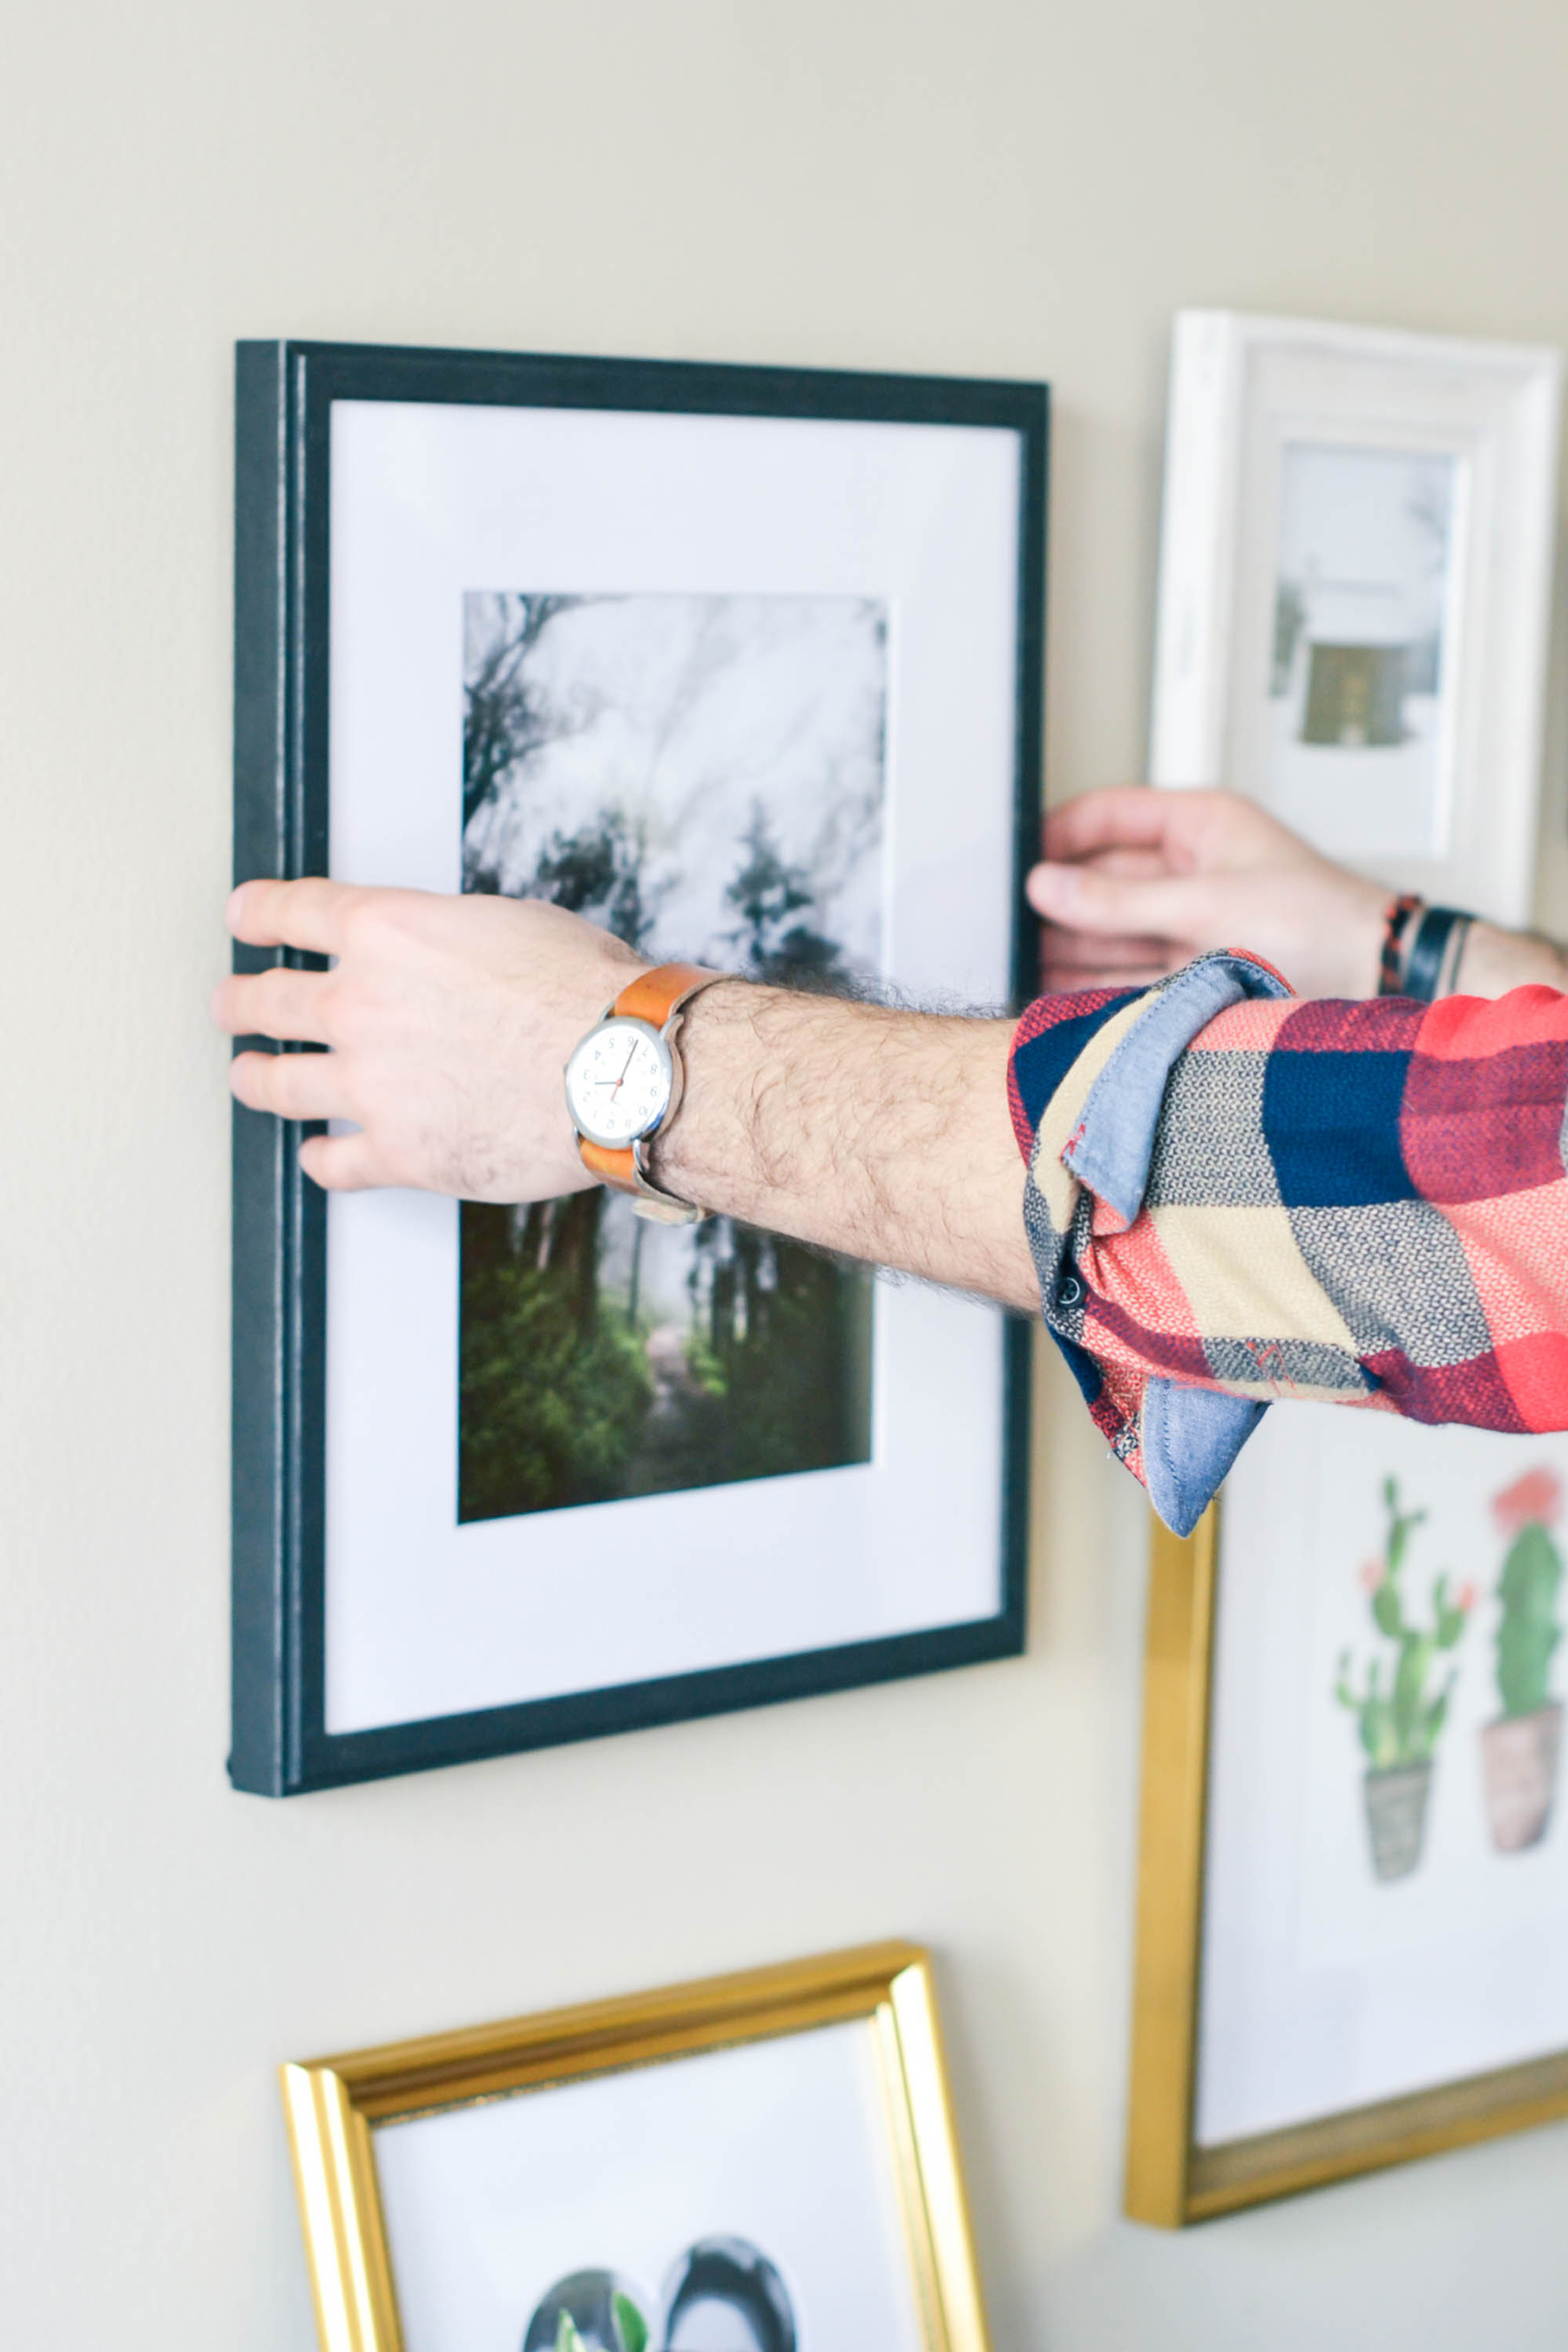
1086,950
277,1003
1141,865
1082,898
291,1086
305,914
341,1163
1127,816
1077,983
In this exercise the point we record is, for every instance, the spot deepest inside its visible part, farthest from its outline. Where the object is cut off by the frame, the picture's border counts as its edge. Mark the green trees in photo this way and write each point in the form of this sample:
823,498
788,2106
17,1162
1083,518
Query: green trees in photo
553,1393
781,1342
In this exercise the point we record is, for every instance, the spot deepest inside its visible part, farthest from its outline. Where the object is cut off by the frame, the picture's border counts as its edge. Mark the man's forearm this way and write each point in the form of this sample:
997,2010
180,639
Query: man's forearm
1493,962
881,1134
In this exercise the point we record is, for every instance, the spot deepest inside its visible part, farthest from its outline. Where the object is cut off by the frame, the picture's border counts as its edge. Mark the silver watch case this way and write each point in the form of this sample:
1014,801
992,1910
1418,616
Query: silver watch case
650,1200
659,1039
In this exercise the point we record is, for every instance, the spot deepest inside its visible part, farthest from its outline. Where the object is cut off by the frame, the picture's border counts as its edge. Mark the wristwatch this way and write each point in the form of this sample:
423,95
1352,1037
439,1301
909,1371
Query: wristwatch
624,1081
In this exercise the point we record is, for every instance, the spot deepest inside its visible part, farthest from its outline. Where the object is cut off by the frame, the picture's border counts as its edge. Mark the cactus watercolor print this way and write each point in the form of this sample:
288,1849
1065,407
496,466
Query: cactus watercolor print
1399,1713
1385,1891
589,2310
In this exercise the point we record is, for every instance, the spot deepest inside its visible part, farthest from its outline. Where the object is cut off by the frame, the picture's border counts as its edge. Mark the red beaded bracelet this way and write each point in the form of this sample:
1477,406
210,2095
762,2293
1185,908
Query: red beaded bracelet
1394,923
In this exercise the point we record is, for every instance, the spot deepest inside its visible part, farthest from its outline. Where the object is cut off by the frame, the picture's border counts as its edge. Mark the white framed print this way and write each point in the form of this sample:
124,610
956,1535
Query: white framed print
744,665
1355,579
754,2163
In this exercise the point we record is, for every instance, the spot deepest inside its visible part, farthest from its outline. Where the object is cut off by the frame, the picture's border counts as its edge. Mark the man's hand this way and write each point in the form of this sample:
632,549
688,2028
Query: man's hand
447,1024
1136,882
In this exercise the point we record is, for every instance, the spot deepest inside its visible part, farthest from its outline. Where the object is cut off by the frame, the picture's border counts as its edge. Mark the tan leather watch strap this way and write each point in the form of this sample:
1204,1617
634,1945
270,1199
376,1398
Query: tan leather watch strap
653,995
612,1164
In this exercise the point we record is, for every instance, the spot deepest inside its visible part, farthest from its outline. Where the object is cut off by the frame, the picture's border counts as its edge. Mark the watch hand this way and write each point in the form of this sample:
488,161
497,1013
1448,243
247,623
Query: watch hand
631,1057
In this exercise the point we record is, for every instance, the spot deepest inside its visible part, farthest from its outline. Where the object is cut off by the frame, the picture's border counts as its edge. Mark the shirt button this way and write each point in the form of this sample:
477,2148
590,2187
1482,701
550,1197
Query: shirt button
1071,1291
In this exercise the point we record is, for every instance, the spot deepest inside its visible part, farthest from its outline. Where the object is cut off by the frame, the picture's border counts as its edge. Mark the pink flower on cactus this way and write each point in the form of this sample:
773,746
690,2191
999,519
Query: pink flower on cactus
1371,1575
1465,1599
1535,1500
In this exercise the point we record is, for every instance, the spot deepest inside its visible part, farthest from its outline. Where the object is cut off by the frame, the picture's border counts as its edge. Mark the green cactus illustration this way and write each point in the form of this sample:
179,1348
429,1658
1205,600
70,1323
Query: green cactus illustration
1528,1630
631,2328
630,2324
1400,1722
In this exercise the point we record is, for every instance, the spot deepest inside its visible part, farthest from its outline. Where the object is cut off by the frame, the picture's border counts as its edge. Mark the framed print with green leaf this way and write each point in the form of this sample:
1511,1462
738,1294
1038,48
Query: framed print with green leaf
761,2163
744,665
1353,1891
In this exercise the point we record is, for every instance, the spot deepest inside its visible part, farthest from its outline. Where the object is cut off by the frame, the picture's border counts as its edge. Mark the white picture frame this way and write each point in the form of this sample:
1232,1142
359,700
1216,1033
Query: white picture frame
1411,480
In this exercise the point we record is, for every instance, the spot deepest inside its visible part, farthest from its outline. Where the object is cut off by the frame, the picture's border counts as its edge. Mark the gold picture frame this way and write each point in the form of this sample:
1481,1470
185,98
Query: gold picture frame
332,2107
1171,2180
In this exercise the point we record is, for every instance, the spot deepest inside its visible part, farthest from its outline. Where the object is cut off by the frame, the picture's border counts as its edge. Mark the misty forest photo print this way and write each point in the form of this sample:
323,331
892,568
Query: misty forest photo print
702,775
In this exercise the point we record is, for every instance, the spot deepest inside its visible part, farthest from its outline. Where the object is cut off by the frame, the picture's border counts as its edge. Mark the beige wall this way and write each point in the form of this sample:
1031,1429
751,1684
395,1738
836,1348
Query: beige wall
1001,188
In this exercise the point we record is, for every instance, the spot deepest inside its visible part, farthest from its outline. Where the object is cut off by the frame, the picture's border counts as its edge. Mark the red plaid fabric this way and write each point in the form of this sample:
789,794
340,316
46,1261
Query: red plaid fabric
1363,1202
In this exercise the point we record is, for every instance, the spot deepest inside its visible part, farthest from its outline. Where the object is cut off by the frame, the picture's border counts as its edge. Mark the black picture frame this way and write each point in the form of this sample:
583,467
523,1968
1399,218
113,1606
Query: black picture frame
284,396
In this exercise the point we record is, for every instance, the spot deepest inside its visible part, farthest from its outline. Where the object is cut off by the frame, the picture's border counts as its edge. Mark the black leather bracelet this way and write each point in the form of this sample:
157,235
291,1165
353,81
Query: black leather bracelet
1423,965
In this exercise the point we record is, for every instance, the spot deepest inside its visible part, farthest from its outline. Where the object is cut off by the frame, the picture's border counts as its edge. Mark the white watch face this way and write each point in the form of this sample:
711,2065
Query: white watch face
618,1082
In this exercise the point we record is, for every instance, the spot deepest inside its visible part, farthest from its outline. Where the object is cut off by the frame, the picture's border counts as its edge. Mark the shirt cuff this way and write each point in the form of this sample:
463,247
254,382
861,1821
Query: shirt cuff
1086,1081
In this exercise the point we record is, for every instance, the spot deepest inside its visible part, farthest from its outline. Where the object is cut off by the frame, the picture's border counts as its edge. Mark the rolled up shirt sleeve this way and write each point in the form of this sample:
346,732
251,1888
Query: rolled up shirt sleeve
1234,1197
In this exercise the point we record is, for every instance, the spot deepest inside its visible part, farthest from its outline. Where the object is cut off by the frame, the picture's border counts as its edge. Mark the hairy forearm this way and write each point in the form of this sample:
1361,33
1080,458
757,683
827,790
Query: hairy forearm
1493,962
883,1135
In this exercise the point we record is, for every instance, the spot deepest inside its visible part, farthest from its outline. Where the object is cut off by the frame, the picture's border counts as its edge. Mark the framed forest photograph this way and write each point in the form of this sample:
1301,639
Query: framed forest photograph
1353,1883
745,665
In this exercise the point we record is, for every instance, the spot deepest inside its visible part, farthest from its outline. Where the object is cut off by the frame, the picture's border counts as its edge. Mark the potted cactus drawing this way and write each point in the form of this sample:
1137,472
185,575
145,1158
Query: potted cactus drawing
628,2324
590,2311
1520,1750
1399,1717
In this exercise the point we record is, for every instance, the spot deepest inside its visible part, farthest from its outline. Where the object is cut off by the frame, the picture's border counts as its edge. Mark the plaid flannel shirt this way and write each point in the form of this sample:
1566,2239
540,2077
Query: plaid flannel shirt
1234,1196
